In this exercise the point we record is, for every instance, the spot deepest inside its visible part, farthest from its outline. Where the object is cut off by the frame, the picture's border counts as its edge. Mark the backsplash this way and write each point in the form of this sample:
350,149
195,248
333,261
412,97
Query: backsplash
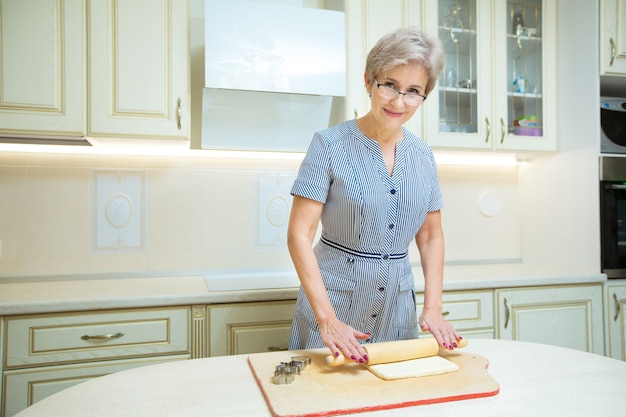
203,213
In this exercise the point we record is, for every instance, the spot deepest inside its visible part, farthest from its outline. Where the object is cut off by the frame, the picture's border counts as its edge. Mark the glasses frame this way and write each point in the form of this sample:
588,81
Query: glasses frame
400,93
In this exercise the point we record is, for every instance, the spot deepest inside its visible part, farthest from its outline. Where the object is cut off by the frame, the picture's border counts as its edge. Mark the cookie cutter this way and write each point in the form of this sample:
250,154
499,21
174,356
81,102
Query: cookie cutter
285,372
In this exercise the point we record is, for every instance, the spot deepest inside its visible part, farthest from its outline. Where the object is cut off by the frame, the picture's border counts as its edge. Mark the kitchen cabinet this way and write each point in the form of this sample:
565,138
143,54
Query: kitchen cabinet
242,328
567,316
613,37
138,70
498,88
47,353
366,22
470,312
74,69
42,54
615,318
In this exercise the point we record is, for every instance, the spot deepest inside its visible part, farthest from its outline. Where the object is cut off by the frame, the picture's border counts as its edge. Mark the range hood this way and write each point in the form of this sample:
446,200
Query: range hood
273,74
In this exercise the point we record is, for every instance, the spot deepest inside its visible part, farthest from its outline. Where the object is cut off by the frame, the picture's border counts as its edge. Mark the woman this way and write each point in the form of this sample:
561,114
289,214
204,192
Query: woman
374,187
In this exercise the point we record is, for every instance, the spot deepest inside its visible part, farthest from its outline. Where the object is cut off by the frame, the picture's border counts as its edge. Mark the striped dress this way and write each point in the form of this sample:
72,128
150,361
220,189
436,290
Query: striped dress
368,221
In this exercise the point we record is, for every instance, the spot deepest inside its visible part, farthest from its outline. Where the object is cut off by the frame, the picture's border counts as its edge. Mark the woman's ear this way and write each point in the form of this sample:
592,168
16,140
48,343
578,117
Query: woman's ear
368,84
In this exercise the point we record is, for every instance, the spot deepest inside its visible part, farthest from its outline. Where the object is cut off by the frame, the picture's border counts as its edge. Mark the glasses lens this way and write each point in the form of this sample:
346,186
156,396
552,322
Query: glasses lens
412,99
387,92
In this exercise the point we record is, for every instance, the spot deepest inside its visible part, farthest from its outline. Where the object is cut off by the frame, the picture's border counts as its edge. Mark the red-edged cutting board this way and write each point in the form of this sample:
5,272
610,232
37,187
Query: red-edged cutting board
326,391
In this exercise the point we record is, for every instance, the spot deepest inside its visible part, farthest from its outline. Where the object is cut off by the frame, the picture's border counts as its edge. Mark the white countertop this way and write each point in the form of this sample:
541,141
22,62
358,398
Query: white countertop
535,380
65,294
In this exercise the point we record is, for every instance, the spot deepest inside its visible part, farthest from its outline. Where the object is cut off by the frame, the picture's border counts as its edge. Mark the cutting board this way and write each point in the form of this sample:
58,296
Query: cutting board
326,391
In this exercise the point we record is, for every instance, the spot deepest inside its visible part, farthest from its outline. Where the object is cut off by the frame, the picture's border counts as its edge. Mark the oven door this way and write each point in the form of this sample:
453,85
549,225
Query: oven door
613,228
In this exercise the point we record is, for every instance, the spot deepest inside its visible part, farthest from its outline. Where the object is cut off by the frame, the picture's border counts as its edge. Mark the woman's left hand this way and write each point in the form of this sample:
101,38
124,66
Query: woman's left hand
434,322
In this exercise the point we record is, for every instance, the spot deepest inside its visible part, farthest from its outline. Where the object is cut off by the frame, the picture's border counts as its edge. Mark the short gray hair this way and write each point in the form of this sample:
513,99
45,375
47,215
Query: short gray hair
406,46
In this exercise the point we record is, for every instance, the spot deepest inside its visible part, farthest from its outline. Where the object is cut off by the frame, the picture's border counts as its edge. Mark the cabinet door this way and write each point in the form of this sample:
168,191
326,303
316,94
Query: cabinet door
42,68
138,70
524,115
458,110
615,299
613,37
242,328
27,386
567,316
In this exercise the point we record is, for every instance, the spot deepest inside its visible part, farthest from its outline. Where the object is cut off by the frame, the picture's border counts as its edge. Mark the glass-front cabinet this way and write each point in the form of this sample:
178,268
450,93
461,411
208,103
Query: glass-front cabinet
497,89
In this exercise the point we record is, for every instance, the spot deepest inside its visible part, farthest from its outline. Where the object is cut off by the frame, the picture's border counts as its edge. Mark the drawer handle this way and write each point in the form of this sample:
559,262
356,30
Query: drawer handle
276,349
103,336
507,313
617,308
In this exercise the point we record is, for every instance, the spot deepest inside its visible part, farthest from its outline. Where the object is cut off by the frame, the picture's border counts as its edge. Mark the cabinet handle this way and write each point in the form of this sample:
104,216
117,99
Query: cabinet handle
613,52
488,129
103,336
617,308
276,349
507,313
502,129
178,113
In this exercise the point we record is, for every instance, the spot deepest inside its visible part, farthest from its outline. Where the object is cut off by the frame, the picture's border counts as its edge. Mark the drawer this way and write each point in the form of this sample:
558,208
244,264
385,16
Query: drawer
36,340
24,387
244,328
466,310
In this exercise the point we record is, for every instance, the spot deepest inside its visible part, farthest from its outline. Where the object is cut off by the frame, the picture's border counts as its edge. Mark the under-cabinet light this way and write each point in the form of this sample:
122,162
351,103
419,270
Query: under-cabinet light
475,158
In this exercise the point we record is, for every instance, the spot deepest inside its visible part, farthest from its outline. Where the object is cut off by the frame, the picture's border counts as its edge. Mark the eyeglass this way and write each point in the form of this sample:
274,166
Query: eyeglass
390,93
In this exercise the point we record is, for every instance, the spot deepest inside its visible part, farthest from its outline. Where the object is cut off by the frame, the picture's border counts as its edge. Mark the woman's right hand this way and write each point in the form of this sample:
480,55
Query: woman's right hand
342,339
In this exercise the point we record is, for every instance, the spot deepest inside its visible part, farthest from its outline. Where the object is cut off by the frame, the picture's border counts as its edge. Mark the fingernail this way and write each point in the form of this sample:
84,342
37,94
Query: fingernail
337,354
460,338
366,357
361,360
353,357
445,346
368,333
455,345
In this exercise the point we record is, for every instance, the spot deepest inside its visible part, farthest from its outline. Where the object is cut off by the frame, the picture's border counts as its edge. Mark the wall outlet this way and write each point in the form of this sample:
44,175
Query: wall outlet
118,210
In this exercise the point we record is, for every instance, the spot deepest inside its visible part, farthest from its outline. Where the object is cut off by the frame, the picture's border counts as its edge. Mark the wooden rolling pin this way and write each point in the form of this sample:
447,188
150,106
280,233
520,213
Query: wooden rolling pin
397,351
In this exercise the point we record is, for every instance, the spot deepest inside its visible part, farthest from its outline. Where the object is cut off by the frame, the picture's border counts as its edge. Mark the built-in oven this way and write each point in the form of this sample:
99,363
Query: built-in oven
613,215
613,124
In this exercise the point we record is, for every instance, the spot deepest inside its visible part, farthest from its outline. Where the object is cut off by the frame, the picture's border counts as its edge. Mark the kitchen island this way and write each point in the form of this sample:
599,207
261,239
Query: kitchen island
534,380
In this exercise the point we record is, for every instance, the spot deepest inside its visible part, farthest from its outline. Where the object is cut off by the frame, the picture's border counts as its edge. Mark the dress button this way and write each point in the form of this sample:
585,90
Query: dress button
381,289
385,257
392,191
391,226
374,316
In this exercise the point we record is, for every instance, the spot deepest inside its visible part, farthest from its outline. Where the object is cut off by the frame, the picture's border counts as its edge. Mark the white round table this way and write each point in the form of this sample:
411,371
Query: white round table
535,380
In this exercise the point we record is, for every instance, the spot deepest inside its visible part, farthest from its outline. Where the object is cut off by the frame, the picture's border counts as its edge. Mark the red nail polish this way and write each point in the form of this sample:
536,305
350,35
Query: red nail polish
360,360
337,354
353,357
365,357
455,345
445,346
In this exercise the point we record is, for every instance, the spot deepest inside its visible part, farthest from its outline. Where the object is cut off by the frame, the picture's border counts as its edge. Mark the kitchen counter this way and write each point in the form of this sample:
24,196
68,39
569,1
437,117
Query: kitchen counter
59,294
534,379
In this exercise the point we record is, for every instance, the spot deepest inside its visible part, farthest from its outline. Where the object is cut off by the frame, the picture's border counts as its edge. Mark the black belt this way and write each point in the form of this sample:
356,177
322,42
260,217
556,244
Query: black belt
363,254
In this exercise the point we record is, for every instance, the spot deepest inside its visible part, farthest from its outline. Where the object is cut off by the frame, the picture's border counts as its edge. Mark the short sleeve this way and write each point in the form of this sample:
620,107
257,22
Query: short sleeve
435,202
313,179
